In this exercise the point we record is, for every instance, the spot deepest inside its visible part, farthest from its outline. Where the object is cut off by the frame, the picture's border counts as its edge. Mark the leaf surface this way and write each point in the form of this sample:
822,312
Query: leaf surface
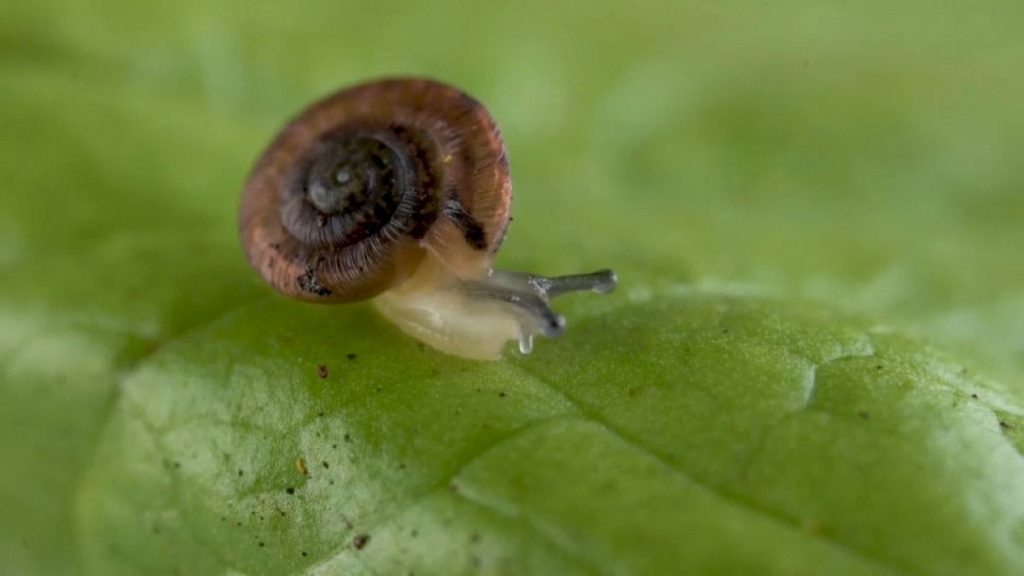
813,364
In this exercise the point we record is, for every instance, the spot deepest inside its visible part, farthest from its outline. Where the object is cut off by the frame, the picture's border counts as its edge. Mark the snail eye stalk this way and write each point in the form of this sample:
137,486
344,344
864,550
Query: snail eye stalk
530,295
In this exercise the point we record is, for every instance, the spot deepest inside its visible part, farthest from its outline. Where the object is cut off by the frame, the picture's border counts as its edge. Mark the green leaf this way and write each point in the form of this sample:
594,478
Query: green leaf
811,443
813,364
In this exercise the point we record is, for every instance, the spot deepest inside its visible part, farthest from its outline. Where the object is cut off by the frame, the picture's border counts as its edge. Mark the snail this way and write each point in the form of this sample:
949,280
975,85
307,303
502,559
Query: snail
398,190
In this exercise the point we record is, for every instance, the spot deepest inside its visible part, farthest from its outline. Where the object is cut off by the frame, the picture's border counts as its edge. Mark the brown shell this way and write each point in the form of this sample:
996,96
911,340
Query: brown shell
454,202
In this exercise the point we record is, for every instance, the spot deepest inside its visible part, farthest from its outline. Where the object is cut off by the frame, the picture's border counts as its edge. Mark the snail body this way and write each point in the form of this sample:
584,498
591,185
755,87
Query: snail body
399,190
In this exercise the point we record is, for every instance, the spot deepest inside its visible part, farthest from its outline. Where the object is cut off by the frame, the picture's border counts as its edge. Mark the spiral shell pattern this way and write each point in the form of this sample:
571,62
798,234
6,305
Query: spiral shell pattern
360,188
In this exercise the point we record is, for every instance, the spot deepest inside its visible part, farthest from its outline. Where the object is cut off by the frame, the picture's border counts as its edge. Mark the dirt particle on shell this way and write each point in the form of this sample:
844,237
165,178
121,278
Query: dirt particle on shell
322,371
360,541
300,465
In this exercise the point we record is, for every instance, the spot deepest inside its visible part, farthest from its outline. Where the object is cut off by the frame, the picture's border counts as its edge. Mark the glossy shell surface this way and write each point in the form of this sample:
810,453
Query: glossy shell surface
356,192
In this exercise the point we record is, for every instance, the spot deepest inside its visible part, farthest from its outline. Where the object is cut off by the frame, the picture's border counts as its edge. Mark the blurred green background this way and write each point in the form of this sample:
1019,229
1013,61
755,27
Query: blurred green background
864,155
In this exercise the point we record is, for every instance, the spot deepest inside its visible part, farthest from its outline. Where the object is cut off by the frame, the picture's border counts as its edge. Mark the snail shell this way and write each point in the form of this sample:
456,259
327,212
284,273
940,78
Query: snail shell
352,195
399,190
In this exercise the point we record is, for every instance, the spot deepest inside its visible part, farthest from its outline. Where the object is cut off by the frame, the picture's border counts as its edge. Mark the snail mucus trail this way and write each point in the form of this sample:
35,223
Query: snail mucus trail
399,190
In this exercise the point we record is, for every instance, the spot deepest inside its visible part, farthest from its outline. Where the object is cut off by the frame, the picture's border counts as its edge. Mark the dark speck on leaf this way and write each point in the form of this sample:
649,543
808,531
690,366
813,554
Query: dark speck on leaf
303,553
325,464
811,526
501,394
322,371
240,473
176,465
262,544
878,367
348,437
359,542
864,414
290,491
351,355
975,396
1005,425
475,537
